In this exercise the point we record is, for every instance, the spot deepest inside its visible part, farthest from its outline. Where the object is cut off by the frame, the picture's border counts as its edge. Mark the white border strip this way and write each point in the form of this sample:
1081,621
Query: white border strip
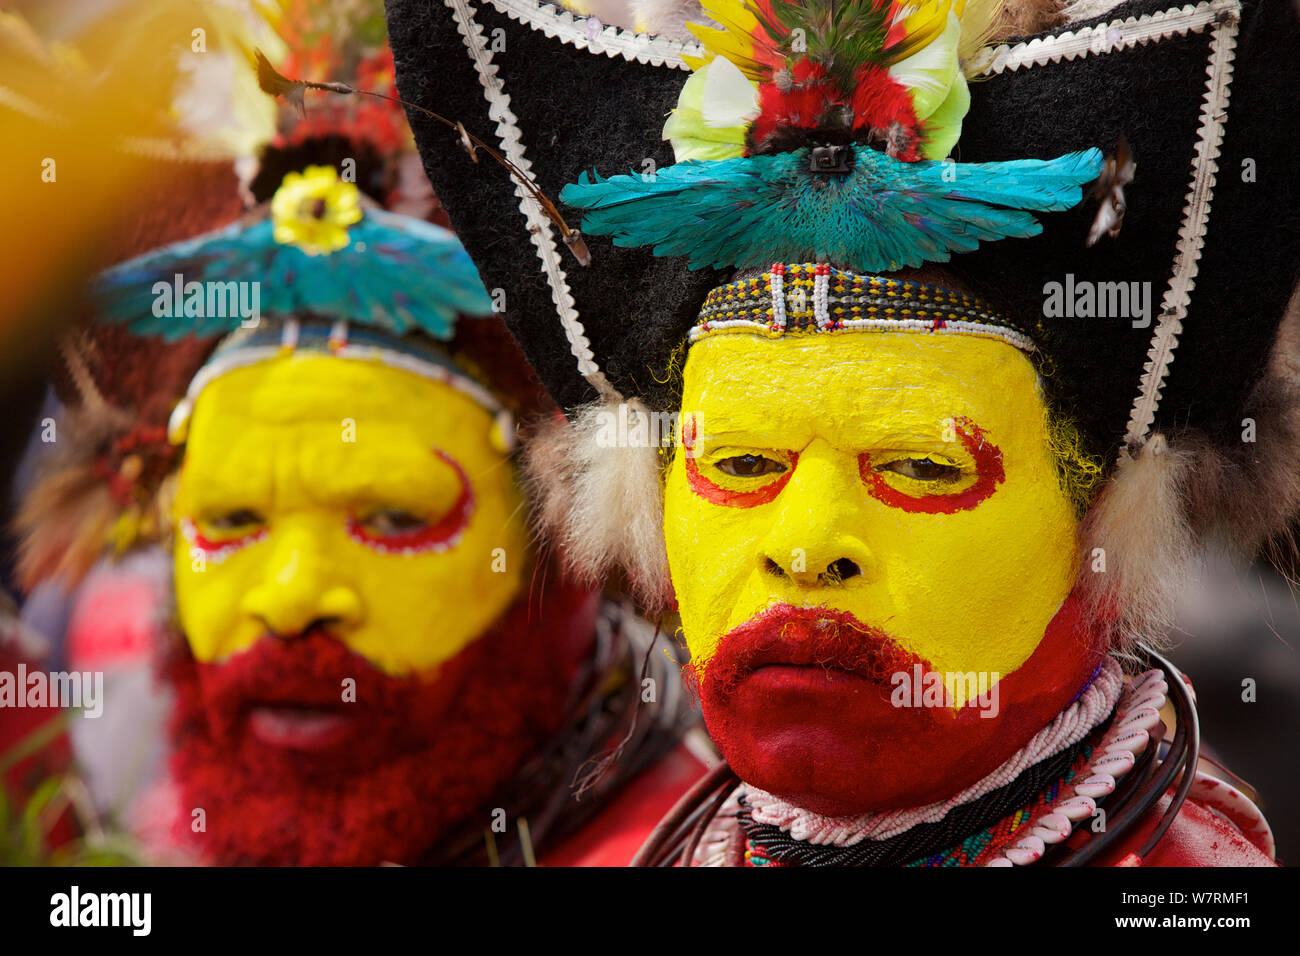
611,41
1191,232
1223,18
539,226
762,329
1105,37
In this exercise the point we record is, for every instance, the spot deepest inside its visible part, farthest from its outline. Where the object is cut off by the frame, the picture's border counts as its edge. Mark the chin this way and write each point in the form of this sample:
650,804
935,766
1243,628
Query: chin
829,739
848,751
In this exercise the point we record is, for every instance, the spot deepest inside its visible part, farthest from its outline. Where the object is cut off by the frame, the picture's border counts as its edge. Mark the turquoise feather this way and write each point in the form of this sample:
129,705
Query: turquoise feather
883,215
397,274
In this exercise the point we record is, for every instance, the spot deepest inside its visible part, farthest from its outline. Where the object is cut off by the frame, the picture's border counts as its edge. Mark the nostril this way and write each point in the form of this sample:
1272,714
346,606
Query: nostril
772,568
841,570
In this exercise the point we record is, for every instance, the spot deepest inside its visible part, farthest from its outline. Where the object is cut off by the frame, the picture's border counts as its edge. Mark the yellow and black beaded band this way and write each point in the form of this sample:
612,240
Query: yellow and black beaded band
797,298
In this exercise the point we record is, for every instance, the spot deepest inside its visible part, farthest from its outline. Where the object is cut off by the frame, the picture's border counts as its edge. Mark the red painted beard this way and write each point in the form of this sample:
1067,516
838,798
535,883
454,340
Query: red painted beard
798,702
289,774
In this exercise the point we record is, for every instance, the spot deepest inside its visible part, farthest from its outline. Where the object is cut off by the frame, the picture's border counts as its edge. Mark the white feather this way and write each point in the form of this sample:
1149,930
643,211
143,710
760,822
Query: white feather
730,99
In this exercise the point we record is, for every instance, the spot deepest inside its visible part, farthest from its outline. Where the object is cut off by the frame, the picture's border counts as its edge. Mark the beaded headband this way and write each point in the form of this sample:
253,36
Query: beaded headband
796,298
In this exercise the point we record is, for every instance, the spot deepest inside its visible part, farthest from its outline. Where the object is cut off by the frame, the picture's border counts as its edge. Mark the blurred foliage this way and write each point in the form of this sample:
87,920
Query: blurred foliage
28,827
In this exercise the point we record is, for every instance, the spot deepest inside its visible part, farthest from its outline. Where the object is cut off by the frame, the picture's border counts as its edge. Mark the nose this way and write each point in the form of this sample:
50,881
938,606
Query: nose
300,590
816,538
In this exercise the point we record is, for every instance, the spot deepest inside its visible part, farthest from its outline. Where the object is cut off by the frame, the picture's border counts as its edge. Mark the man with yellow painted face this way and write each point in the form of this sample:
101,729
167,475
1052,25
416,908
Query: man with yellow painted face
925,527
370,663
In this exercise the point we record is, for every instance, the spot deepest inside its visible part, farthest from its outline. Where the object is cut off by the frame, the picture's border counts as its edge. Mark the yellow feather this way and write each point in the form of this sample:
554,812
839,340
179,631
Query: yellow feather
923,26
735,40
979,24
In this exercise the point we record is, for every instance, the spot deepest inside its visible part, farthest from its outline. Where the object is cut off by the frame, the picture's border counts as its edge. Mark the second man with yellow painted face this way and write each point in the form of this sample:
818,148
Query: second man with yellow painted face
369,660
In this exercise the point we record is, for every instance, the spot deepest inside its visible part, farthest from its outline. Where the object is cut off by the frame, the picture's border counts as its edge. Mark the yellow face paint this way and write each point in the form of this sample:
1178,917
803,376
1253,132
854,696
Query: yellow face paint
903,478
316,488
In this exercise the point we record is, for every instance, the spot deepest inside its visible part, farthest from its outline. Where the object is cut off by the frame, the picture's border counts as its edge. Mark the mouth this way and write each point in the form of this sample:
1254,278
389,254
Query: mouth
810,646
304,728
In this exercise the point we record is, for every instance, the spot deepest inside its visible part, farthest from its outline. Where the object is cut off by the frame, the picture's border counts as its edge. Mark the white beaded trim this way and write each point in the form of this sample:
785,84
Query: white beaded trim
821,299
950,327
507,130
339,333
1128,735
776,288
588,33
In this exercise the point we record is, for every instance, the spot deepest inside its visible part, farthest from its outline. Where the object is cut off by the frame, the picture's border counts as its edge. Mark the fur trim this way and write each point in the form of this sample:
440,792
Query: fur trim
1139,552
1176,502
598,489
1022,18
65,520
668,18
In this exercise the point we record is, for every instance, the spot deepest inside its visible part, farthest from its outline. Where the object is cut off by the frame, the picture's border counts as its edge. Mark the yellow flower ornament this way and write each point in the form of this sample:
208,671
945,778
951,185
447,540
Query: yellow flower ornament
313,209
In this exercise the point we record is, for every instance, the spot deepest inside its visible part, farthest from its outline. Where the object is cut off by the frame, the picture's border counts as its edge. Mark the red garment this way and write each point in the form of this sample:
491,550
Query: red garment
1201,835
617,832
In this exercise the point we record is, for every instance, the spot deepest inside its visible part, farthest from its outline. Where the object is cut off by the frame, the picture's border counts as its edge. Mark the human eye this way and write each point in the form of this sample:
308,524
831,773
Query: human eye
750,466
925,468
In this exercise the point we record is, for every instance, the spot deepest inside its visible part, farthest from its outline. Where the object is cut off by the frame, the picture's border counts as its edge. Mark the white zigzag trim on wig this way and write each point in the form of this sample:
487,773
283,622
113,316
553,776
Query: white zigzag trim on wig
1105,37
1191,232
1222,16
588,33
600,502
539,226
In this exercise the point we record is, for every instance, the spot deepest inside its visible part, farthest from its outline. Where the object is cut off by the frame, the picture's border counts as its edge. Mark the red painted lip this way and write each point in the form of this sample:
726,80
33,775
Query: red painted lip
299,728
809,678
809,646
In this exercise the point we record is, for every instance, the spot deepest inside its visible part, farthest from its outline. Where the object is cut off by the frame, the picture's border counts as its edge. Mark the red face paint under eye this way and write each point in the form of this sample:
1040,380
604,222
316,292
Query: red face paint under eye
988,469
442,536
216,551
718,495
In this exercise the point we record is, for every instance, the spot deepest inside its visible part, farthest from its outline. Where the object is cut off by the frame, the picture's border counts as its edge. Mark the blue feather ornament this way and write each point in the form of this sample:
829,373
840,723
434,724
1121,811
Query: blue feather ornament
881,215
396,273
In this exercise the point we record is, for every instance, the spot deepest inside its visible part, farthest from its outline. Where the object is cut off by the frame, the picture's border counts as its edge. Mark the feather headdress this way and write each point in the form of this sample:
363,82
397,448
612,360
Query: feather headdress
313,250
818,130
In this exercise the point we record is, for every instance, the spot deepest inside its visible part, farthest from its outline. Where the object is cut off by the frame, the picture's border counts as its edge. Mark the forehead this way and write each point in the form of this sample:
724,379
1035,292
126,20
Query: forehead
857,385
333,416
296,389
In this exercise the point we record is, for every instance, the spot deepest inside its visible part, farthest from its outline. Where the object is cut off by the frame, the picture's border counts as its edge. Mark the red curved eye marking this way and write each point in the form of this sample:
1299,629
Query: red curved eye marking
217,551
988,469
718,495
442,536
